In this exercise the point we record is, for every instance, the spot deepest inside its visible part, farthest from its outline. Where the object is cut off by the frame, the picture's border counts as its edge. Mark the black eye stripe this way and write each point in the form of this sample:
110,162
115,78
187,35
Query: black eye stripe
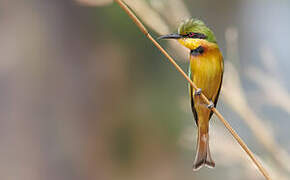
195,35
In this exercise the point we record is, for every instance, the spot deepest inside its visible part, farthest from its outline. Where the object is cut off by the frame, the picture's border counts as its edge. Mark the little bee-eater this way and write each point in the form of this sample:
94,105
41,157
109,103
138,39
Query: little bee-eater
206,71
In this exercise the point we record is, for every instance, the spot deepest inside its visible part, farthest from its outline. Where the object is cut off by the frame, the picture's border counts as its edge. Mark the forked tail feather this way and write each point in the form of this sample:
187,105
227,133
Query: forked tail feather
203,156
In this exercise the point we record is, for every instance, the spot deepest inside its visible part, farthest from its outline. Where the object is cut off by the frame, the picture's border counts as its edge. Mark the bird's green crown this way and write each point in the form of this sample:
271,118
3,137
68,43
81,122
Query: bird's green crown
196,26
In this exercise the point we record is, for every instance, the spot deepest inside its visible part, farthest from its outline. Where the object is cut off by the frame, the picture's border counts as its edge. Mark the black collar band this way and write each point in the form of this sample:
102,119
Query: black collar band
197,51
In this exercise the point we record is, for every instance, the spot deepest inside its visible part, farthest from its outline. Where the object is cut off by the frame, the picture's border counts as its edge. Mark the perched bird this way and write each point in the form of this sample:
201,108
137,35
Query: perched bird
206,71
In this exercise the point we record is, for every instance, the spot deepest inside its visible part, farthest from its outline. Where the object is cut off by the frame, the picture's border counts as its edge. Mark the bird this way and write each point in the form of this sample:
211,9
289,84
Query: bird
206,69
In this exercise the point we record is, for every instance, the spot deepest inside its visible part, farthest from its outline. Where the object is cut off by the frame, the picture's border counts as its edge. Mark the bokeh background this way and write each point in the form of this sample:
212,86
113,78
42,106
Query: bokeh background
85,96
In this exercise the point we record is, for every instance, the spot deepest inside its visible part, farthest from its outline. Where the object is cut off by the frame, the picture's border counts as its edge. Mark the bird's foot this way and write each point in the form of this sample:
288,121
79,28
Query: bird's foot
198,92
210,105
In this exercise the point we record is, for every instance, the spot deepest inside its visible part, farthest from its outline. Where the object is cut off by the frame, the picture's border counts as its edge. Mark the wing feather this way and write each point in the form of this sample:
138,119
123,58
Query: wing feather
191,98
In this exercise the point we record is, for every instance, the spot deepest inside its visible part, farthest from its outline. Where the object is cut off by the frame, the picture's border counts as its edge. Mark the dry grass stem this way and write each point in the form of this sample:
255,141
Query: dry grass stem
172,61
237,98
236,157
155,20
151,18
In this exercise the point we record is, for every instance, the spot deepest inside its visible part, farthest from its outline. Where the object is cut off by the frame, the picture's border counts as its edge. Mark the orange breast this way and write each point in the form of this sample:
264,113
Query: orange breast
206,73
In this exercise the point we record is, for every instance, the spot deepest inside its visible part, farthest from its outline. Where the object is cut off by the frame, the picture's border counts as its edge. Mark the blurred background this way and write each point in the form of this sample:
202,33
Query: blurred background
85,96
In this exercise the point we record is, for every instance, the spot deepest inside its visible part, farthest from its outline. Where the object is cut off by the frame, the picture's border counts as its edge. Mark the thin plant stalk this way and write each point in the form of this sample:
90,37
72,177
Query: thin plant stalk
178,68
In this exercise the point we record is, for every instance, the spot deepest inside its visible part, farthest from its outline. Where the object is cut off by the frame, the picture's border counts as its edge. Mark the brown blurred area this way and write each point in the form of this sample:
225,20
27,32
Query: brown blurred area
85,96
63,87
57,96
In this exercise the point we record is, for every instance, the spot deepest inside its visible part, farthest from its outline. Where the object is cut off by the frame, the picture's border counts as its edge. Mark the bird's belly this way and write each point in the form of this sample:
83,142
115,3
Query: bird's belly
207,73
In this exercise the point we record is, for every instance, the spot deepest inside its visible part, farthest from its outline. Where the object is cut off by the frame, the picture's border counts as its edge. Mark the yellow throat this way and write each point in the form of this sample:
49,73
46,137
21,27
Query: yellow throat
191,43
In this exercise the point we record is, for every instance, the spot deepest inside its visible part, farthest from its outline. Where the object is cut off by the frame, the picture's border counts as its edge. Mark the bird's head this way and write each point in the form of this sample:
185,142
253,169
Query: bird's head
192,33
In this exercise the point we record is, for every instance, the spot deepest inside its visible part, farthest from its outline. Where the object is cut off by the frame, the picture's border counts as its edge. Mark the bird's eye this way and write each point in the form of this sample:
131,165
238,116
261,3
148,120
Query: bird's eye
191,34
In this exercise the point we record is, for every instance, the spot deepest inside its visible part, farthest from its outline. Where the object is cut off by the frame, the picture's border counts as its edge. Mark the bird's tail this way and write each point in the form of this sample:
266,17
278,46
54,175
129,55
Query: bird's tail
203,156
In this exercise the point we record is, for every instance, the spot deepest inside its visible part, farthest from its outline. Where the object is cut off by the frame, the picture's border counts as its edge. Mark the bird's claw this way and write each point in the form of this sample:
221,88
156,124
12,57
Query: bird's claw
210,105
198,92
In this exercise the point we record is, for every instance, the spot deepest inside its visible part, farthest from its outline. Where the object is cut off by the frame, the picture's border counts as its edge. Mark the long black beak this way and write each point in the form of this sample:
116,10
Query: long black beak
170,36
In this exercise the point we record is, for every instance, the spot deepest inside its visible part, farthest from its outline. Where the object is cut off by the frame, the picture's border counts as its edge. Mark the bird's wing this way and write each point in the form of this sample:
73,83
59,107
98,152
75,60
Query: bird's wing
191,98
218,93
